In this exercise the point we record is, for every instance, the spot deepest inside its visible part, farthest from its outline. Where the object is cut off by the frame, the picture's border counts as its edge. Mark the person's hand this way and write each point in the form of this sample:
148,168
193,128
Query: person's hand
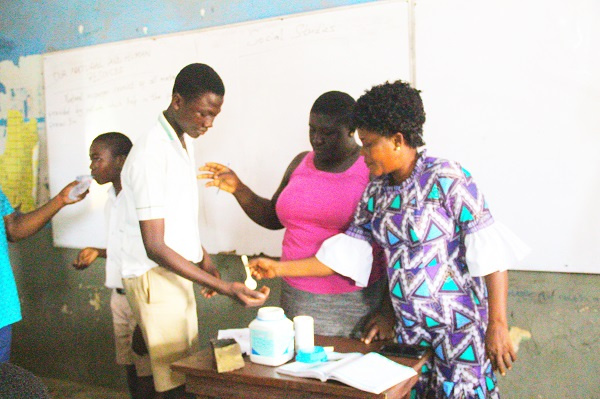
85,258
248,297
379,328
220,176
208,292
263,268
499,348
63,196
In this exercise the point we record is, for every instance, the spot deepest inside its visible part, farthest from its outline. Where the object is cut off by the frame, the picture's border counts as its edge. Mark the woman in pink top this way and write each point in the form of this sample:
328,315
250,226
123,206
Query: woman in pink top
316,200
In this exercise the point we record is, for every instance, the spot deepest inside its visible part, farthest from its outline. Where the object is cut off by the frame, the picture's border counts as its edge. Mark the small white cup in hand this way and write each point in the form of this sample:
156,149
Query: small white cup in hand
84,183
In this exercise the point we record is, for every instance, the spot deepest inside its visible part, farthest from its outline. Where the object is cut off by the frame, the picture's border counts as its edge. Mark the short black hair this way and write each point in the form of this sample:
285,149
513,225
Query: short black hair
118,143
336,104
197,79
392,108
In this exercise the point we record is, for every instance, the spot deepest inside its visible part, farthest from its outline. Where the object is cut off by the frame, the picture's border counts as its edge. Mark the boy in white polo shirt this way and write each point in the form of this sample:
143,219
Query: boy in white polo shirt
108,152
162,251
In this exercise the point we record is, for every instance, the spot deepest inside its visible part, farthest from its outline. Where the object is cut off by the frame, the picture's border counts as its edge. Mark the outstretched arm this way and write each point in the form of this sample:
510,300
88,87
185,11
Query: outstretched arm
260,210
268,268
153,233
498,345
22,225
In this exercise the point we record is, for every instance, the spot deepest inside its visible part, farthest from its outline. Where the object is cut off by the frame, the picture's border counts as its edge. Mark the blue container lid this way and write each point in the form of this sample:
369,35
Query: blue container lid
318,354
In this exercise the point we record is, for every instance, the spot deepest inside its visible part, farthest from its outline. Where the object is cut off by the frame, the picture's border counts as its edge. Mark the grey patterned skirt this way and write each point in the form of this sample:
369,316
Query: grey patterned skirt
340,315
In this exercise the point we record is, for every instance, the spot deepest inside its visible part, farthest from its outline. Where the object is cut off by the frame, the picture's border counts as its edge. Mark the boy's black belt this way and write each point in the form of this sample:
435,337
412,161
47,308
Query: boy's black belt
120,291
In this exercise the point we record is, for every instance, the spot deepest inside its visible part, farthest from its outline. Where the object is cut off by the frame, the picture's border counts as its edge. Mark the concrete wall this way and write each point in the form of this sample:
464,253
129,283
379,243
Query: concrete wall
66,331
562,358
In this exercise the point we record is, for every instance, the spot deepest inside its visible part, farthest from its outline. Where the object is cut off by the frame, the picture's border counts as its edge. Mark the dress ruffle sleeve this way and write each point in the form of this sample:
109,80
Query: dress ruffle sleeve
493,248
348,256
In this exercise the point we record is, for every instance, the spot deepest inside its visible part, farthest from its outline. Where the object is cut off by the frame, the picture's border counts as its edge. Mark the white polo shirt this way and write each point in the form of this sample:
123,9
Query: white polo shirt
113,213
159,182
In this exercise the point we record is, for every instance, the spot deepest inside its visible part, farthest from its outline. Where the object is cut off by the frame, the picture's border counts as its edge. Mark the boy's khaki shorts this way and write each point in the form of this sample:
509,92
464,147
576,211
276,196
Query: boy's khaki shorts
165,307
124,323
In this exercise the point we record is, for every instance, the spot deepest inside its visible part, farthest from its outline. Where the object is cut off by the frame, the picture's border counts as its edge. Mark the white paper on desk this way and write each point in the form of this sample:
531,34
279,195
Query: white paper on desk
241,336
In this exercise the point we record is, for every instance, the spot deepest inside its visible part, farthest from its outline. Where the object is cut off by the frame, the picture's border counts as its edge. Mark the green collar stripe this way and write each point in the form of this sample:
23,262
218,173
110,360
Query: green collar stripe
168,128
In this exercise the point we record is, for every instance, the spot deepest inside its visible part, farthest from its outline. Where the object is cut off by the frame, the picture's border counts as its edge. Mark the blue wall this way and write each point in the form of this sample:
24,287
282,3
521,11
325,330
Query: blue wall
35,27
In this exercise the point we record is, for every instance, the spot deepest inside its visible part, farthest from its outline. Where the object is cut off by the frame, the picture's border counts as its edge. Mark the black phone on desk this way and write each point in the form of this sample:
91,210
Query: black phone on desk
400,350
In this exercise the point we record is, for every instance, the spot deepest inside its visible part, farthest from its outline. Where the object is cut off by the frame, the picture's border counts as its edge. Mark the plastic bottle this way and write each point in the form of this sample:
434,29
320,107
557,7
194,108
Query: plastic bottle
84,183
271,337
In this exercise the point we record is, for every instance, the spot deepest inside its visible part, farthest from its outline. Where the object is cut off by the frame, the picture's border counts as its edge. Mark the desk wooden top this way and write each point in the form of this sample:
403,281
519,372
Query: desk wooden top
262,381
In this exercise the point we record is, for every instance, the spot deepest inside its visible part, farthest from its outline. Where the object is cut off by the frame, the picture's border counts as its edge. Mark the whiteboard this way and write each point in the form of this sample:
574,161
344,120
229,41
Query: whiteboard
273,71
512,91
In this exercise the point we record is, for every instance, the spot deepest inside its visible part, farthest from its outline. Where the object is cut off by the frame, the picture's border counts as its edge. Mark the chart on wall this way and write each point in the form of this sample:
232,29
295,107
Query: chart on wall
273,71
22,132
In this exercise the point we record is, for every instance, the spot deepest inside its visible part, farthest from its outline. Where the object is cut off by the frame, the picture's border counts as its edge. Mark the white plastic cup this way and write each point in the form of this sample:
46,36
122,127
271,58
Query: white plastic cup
304,332
84,183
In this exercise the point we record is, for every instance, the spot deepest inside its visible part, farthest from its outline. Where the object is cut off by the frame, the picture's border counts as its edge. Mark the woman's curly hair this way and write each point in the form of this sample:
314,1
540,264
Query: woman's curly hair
390,108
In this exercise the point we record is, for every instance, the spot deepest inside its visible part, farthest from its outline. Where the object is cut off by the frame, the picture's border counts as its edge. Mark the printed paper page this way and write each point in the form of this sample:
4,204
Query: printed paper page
373,373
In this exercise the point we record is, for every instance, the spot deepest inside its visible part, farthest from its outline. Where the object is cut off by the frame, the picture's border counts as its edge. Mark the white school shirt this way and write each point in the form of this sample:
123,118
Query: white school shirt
113,215
159,182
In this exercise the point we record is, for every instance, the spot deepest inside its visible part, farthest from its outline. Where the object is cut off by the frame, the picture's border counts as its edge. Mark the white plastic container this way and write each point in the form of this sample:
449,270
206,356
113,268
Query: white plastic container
271,337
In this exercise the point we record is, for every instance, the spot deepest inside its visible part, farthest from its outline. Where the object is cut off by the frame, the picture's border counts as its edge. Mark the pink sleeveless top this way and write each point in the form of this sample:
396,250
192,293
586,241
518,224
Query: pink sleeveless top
314,206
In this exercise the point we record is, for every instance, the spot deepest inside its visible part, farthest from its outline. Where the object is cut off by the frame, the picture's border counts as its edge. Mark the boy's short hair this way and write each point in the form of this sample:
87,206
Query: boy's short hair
392,108
196,79
118,143
336,104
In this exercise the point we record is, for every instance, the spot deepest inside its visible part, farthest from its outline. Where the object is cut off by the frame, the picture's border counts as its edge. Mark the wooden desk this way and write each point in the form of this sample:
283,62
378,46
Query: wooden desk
255,381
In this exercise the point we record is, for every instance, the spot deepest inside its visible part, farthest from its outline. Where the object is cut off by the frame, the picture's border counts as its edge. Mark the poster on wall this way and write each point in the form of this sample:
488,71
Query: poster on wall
23,171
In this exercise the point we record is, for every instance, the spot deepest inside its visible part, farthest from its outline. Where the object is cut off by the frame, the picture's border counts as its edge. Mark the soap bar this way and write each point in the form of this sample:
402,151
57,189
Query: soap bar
228,354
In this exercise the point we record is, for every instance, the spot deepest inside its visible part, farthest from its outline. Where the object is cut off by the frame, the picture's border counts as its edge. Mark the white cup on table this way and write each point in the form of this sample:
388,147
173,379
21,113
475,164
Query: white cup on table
304,333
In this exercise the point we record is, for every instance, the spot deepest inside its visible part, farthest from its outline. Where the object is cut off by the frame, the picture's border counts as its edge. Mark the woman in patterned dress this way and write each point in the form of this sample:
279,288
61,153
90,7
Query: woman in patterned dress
446,257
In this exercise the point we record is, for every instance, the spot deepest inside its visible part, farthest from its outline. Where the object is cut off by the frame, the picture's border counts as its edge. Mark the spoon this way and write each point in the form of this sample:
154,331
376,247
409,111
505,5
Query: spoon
250,282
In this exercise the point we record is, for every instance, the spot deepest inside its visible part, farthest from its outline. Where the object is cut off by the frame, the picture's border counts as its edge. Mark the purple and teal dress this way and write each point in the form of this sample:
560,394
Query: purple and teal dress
422,224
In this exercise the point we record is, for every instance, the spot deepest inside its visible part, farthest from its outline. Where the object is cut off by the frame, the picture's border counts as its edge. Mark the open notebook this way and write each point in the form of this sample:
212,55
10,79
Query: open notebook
371,372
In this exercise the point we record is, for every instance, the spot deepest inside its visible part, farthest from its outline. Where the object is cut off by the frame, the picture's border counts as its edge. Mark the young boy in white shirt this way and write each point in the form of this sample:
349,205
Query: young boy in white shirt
107,156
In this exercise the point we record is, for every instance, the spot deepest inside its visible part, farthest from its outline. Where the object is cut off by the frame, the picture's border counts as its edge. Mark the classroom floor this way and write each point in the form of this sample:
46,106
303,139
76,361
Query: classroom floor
60,389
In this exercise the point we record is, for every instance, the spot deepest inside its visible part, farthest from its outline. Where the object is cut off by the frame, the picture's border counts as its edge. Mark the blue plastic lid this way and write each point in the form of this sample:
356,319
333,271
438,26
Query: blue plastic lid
318,354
